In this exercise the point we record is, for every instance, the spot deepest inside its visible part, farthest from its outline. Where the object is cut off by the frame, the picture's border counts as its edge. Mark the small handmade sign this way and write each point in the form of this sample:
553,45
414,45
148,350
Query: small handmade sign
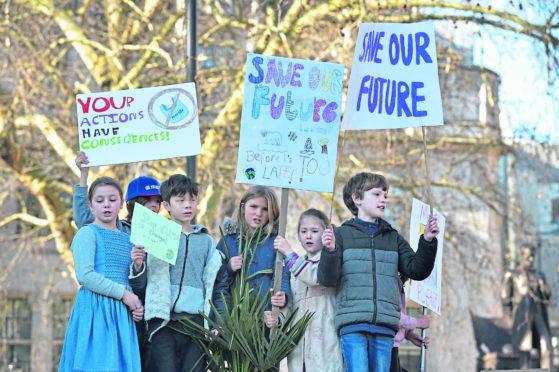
159,235
427,292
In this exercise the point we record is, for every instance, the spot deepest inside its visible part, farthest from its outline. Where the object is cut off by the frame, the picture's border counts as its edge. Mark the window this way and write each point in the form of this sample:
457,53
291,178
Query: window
15,334
61,314
555,210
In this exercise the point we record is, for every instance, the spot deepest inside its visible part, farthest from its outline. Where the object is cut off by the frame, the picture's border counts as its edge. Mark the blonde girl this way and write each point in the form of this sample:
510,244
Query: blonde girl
257,209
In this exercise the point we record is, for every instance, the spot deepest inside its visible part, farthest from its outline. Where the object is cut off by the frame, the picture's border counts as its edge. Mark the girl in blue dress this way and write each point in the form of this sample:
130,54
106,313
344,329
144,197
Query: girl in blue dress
101,335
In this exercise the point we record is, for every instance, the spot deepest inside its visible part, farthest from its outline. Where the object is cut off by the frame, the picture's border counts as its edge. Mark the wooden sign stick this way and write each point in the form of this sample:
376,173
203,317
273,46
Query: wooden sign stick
422,365
278,270
338,161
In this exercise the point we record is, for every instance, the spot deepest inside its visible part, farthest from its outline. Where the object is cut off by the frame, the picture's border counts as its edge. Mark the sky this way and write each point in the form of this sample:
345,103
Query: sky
527,103
525,97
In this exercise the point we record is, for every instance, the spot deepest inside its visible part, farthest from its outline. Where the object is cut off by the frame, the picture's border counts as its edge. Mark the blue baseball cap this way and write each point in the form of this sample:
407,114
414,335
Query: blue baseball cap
142,186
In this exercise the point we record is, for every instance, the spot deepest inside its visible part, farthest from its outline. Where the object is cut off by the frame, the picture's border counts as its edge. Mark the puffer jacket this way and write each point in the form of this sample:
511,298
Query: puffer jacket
365,271
263,259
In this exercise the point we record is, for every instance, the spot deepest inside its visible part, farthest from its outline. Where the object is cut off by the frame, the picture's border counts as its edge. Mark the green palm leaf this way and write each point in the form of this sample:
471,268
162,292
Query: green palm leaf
245,344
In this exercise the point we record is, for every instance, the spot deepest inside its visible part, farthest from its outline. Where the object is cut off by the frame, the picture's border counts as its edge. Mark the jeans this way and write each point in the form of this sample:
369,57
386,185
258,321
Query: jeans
364,351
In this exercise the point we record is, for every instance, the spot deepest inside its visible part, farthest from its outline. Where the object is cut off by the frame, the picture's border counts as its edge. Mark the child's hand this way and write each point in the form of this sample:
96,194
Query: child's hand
138,314
278,299
416,339
133,303
281,245
215,333
81,159
137,254
328,238
269,319
423,321
431,229
236,263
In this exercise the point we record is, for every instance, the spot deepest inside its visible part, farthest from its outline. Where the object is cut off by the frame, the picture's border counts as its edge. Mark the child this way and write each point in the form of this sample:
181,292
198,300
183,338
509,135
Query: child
258,207
407,326
362,258
142,190
176,293
100,334
319,349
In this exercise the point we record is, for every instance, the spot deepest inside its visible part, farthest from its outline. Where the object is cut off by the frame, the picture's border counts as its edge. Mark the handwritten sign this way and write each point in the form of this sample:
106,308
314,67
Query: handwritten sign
137,125
394,81
427,292
159,235
290,123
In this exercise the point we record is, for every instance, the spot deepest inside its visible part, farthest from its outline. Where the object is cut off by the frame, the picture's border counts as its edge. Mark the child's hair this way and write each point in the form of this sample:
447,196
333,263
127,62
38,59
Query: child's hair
313,213
178,185
130,204
360,183
104,181
273,210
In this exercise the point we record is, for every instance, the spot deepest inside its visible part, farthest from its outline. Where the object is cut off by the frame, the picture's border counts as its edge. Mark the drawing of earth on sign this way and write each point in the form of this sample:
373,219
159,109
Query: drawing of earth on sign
172,108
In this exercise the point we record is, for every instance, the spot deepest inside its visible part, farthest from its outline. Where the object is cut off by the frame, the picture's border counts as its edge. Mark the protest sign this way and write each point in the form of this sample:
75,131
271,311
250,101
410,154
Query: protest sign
394,81
427,292
159,235
290,123
127,126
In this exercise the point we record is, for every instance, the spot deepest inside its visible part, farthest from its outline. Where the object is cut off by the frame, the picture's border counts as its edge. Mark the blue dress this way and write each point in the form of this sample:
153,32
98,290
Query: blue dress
101,335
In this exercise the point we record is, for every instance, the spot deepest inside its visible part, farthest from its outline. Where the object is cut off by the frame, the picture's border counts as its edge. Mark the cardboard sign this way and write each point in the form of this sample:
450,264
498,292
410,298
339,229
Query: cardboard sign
159,235
394,81
427,292
137,125
290,123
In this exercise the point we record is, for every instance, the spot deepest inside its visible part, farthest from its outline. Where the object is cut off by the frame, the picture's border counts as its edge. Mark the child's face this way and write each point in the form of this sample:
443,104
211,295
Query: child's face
256,212
153,203
182,208
105,205
372,205
310,234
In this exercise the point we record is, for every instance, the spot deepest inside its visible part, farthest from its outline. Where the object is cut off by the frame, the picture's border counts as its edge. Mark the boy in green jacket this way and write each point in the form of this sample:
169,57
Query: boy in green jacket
362,258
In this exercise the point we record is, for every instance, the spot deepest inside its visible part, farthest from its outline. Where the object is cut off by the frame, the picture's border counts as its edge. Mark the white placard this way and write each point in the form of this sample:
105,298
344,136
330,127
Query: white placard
394,81
427,292
128,126
290,123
